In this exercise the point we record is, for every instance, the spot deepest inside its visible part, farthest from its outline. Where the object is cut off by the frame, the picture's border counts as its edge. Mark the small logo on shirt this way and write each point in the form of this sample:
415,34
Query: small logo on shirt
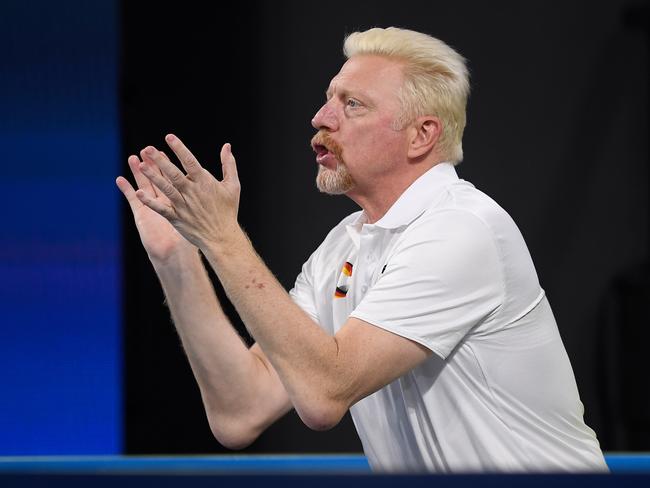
344,281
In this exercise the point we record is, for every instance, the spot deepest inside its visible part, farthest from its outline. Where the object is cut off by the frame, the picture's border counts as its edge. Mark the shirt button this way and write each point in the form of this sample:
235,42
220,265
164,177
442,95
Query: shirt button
364,289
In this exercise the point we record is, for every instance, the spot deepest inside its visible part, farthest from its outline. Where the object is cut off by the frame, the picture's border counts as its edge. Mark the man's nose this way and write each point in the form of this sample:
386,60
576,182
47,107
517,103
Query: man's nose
325,118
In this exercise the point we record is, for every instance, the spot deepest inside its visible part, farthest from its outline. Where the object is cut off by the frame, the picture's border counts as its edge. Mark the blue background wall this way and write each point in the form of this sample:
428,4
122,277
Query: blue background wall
60,346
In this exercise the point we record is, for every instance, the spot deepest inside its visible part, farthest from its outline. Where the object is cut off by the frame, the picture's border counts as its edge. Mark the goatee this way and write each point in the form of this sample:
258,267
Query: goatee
332,182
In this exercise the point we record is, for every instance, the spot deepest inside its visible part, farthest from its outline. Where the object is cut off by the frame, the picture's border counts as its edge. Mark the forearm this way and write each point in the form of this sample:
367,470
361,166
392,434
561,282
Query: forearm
304,356
204,211
228,374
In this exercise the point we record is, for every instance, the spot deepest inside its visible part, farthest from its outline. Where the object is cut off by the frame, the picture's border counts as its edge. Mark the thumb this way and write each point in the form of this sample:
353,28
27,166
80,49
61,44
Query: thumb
228,164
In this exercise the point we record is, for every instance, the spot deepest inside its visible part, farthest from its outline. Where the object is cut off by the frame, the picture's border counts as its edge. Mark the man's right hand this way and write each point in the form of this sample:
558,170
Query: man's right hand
158,236
241,391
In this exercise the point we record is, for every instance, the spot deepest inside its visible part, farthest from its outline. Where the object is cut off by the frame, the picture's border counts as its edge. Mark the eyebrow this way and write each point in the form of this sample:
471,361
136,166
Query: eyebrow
365,98
343,92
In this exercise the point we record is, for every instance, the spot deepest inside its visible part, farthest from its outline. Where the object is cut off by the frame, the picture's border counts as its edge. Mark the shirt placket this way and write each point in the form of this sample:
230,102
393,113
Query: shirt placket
366,262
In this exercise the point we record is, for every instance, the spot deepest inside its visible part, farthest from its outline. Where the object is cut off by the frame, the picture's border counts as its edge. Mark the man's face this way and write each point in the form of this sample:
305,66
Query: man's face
357,144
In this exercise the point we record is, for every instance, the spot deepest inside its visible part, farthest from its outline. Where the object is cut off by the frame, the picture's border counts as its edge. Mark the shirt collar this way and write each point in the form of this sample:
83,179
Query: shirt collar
417,197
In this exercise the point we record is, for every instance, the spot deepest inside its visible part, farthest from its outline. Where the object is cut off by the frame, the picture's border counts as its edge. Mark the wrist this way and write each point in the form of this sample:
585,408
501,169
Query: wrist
180,255
227,245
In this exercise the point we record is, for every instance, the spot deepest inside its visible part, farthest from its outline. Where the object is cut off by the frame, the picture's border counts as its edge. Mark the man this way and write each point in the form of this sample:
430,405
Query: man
421,314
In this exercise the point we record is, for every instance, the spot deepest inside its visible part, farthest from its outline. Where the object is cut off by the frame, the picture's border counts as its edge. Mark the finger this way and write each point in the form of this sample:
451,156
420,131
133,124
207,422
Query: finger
161,173
165,156
141,180
128,191
156,205
159,181
228,163
187,159
168,169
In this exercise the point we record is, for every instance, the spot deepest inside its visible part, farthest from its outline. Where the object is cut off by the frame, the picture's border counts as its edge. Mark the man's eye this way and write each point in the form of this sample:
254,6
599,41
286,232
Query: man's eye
352,103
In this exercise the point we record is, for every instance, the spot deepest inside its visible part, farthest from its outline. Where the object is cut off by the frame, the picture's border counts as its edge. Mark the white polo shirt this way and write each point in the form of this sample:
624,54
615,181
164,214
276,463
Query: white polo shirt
448,268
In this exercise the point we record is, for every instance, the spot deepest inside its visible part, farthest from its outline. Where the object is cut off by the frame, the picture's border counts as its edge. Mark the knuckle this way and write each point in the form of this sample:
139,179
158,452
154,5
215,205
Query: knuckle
172,216
168,211
178,179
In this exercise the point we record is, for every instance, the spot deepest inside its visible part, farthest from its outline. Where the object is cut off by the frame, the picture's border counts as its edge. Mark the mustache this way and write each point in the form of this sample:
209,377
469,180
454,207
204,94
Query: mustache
323,138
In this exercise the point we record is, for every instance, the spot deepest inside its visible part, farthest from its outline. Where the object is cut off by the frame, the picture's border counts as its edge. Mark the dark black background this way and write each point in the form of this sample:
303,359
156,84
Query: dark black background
557,134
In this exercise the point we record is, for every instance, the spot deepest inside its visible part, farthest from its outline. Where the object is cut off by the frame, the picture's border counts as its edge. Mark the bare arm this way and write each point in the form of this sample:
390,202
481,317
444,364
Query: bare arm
241,392
322,375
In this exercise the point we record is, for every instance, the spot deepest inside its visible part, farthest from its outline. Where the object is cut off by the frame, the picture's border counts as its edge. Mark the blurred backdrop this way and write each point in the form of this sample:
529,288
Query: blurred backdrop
60,286
90,362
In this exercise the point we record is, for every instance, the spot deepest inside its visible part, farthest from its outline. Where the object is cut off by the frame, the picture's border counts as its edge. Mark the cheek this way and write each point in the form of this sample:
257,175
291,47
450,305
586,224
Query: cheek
373,140
385,146
373,147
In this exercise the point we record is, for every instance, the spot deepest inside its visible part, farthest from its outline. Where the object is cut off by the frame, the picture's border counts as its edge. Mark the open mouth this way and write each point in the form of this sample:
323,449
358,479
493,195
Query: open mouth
320,150
323,154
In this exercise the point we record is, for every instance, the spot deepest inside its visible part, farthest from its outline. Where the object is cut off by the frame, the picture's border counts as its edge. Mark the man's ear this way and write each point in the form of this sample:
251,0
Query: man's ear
425,133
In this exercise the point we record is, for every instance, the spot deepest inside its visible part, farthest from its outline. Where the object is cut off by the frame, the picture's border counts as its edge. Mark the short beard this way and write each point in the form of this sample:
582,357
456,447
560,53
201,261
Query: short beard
332,182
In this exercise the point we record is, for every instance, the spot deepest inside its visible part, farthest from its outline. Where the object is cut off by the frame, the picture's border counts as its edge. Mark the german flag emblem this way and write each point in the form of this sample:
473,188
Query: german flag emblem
343,284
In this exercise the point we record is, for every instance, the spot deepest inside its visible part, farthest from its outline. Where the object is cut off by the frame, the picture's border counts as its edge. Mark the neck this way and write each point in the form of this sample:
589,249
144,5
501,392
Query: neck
379,197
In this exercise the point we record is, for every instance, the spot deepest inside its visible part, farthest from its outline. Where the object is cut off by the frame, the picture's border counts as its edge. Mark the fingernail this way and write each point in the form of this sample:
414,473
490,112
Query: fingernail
170,137
149,150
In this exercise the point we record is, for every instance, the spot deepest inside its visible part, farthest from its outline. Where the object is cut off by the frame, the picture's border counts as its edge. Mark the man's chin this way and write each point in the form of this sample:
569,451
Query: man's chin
333,191
332,182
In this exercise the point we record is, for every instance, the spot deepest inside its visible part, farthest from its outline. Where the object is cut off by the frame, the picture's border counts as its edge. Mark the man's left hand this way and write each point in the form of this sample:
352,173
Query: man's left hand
202,208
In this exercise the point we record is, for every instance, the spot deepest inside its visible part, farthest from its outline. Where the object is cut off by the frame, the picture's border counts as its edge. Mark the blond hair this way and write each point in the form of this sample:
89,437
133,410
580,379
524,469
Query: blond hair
436,81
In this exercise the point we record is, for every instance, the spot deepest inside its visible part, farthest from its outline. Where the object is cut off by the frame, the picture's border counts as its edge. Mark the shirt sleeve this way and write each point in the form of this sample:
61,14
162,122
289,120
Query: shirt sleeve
442,279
